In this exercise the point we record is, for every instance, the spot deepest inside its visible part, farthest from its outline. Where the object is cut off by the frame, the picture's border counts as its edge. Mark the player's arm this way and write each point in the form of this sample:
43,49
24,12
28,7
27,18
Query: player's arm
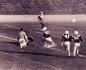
39,18
18,37
71,37
62,40
81,38
26,38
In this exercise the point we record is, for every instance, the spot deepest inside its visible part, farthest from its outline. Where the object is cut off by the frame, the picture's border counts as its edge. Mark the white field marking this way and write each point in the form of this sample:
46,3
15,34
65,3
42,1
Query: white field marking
32,61
2,36
80,55
13,27
24,29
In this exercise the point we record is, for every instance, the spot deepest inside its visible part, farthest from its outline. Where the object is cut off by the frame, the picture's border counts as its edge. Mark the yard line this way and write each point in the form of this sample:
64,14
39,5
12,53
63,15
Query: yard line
13,27
3,36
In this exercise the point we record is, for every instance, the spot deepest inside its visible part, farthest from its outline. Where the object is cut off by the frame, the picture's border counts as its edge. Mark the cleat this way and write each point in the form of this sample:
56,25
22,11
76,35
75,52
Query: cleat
77,55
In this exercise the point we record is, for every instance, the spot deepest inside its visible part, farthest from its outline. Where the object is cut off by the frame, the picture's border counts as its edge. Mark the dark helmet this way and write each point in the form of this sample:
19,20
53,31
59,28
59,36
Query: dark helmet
21,29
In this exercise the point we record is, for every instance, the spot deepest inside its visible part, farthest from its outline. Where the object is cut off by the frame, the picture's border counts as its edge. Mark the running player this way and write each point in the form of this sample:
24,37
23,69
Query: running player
48,42
66,39
41,17
77,38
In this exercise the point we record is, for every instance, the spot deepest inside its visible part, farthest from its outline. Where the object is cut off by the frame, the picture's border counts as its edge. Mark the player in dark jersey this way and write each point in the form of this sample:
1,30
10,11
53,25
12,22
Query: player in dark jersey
48,42
66,39
77,38
41,17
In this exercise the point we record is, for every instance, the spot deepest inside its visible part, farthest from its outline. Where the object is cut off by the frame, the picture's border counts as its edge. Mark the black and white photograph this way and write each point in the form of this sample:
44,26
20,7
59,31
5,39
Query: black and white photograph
42,34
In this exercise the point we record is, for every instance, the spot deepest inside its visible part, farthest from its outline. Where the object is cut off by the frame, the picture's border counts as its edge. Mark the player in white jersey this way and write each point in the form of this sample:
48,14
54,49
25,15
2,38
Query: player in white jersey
77,38
48,42
66,39
22,39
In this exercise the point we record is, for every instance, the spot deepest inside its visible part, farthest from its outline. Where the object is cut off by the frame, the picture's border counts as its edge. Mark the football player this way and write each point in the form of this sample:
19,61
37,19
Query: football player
66,39
22,39
77,38
48,42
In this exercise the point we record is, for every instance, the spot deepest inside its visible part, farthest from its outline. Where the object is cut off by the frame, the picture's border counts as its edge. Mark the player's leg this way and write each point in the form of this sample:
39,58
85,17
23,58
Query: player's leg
68,48
65,46
45,44
77,52
21,47
22,44
50,42
75,49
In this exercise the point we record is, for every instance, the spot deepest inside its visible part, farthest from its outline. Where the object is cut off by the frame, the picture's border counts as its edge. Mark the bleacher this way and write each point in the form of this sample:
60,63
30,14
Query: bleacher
18,7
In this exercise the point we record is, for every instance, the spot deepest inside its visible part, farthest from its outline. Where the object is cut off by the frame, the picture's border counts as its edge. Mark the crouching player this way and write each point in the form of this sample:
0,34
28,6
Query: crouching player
22,39
66,39
77,38
48,42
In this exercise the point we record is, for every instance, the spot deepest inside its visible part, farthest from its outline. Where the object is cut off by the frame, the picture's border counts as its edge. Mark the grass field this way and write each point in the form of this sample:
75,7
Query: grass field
36,57
56,29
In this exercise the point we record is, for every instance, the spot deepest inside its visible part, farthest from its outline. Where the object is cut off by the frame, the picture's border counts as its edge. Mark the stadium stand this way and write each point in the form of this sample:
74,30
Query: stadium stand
18,7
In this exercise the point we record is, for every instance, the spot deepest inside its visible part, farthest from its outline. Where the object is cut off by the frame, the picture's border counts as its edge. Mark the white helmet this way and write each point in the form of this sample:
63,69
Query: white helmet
66,32
47,32
76,32
41,12
44,28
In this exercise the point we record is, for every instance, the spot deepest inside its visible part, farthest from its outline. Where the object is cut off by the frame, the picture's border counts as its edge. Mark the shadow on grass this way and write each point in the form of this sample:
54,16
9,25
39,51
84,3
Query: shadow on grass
43,54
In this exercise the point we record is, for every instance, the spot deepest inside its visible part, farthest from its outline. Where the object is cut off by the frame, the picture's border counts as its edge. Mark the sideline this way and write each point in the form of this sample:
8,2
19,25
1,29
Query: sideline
48,18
